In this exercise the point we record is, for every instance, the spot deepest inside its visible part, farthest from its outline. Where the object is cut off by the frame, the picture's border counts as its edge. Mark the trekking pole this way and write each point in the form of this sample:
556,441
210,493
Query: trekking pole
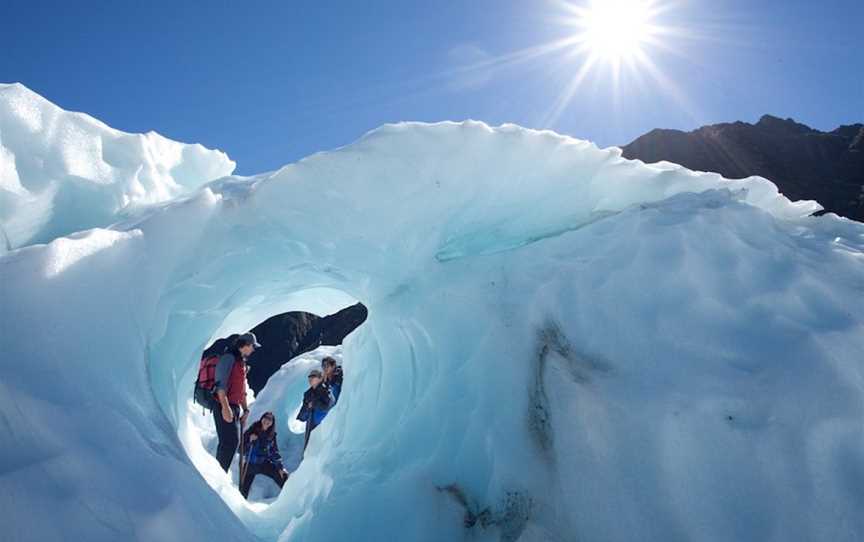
242,453
308,434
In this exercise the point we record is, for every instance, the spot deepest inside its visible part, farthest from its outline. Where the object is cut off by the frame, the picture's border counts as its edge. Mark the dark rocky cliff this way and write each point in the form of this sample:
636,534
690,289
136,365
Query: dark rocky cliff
287,335
804,163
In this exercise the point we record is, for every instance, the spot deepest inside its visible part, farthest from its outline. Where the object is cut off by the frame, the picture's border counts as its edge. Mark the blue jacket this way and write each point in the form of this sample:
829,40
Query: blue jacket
334,383
262,449
320,400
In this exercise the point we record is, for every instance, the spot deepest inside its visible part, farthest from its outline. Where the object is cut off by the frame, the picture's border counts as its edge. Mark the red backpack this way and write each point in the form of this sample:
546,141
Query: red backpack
206,382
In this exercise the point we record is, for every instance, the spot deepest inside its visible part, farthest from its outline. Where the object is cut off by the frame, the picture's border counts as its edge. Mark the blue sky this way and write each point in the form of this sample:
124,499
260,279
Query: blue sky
272,81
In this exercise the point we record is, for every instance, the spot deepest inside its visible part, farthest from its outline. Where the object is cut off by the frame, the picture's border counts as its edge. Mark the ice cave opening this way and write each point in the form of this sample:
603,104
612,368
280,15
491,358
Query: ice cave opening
172,379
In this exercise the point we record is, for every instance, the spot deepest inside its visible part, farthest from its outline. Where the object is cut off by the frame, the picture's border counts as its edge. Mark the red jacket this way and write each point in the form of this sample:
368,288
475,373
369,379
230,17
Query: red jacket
231,377
237,383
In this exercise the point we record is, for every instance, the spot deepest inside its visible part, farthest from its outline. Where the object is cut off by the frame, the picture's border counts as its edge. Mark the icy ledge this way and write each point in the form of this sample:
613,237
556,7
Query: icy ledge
561,345
62,172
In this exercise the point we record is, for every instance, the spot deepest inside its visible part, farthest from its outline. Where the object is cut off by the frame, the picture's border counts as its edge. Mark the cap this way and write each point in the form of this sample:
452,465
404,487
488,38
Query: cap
315,372
248,338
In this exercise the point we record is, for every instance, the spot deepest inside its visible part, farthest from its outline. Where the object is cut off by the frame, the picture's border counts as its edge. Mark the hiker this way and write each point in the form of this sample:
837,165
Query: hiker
332,377
230,391
316,401
262,454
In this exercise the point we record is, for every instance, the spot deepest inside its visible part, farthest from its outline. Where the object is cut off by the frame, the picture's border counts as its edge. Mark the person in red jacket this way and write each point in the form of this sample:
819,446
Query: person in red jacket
230,391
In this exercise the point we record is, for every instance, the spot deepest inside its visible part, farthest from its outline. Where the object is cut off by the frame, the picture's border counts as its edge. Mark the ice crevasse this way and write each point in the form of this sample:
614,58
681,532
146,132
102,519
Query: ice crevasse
562,345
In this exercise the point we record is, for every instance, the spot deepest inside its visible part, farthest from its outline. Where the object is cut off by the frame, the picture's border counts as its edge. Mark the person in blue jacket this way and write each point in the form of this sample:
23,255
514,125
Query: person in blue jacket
332,377
262,453
317,400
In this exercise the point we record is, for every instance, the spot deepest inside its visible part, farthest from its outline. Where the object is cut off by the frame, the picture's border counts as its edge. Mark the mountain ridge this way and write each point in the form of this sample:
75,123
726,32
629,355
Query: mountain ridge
804,163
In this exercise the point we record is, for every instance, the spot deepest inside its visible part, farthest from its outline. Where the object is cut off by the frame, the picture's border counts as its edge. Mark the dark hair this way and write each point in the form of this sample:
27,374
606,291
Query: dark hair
240,342
326,362
257,427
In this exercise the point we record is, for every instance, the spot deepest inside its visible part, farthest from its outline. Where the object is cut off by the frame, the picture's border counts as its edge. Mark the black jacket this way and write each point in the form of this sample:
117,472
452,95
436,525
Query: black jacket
320,401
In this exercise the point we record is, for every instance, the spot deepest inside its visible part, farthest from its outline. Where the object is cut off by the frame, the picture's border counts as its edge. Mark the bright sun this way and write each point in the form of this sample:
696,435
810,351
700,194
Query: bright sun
613,29
615,41
615,38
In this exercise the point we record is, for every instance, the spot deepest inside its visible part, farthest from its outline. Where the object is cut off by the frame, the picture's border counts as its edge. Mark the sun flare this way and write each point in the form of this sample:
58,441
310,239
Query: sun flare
613,29
618,46
617,40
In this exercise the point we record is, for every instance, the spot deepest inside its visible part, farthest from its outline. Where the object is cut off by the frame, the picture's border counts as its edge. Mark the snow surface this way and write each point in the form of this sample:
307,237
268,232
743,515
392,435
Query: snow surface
569,345
62,172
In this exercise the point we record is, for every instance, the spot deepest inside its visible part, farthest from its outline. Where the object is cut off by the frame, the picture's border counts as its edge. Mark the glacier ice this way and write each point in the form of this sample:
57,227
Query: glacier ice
561,344
62,172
